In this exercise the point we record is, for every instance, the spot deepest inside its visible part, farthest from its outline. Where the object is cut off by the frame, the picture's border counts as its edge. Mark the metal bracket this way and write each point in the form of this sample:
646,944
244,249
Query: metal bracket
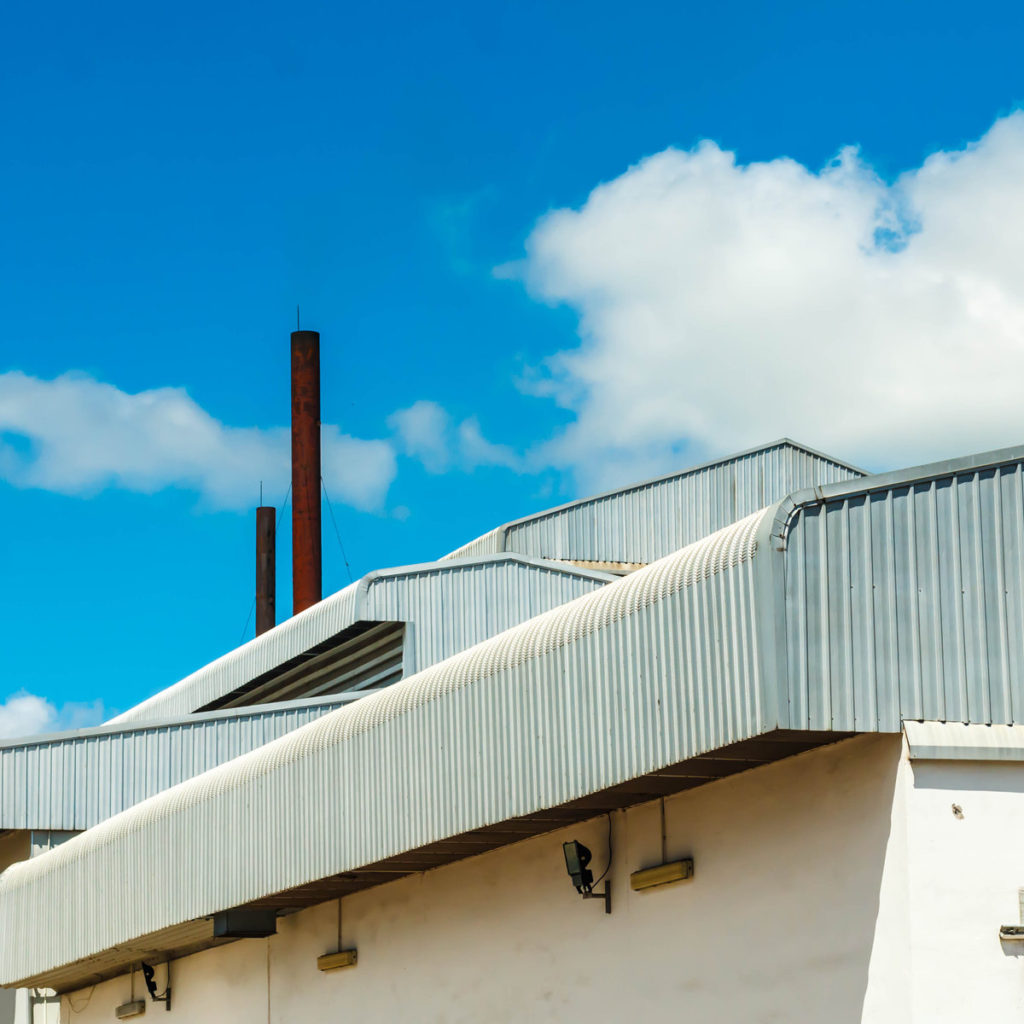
605,895
148,976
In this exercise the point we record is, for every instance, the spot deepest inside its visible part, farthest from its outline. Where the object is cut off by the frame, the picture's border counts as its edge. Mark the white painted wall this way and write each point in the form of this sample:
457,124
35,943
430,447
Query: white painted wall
832,887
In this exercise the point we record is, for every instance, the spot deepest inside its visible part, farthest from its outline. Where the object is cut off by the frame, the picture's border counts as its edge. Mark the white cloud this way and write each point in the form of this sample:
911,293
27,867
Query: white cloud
724,304
476,450
426,431
25,714
423,431
77,435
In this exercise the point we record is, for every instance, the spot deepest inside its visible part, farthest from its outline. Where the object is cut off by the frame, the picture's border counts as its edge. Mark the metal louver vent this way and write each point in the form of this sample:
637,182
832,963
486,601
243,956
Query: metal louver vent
369,659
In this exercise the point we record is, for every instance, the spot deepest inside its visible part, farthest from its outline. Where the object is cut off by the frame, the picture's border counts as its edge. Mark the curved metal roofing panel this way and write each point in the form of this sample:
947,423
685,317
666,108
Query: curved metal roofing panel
449,606
648,520
649,670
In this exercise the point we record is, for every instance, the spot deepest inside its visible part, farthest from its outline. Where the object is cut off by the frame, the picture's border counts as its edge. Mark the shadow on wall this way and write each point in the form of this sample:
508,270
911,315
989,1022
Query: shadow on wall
778,925
780,922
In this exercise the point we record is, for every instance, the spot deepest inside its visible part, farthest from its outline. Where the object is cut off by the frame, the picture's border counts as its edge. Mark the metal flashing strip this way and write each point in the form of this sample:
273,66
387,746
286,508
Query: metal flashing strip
955,741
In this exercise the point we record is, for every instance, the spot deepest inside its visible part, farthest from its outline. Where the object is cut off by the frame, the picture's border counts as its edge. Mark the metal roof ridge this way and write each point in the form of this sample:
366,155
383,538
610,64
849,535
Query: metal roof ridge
503,530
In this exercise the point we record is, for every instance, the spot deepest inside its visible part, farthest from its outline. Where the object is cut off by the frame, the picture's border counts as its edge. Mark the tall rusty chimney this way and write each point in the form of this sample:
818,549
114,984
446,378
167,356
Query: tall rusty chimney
266,569
306,567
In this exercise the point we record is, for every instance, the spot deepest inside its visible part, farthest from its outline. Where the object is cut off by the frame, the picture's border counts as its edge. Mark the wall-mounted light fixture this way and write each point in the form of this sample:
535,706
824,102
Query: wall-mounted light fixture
662,874
667,871
149,976
334,961
577,857
342,958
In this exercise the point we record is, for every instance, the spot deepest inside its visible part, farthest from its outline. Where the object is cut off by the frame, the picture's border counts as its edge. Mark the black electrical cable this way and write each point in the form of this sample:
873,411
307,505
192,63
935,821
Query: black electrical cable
337,532
609,864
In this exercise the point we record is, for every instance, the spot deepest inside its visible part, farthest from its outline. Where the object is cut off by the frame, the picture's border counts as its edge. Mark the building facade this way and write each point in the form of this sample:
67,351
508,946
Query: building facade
792,741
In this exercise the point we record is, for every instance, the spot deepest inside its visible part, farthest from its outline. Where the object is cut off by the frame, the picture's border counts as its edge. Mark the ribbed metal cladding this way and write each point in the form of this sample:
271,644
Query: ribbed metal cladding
71,781
451,605
905,600
654,668
647,521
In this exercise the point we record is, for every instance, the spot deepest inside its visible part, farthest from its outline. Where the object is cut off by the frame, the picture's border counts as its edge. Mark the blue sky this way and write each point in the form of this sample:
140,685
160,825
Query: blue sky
174,180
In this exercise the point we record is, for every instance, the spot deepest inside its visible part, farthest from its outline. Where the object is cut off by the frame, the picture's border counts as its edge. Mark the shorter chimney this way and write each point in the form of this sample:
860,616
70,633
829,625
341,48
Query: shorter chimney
266,569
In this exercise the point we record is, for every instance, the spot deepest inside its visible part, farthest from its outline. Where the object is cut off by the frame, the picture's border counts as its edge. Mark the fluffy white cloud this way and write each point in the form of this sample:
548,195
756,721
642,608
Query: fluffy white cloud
25,714
724,304
476,450
423,433
78,435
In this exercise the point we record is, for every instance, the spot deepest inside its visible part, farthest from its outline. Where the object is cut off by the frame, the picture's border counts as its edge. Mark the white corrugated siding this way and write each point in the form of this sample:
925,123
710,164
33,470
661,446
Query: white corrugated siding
647,521
650,670
451,605
74,781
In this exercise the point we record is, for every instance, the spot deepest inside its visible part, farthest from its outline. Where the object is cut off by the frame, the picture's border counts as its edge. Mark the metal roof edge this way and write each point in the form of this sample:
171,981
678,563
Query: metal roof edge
788,508
958,741
194,718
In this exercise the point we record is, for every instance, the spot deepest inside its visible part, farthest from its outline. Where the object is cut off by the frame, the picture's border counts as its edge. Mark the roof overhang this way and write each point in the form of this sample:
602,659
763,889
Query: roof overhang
516,735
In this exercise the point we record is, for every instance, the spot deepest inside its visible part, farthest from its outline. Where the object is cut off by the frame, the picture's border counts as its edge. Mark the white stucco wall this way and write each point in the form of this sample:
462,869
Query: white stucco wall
835,887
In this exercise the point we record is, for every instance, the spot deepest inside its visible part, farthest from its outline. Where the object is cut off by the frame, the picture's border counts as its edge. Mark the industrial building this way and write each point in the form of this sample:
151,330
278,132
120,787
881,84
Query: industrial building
745,742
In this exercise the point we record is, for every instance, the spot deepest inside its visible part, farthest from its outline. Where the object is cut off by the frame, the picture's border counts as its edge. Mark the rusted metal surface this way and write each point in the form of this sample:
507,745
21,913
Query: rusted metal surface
266,569
306,566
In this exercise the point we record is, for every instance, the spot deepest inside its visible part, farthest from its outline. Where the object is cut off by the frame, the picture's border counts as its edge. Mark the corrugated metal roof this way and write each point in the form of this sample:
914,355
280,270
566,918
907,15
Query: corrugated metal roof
447,607
954,741
648,520
846,607
904,597
598,691
73,780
